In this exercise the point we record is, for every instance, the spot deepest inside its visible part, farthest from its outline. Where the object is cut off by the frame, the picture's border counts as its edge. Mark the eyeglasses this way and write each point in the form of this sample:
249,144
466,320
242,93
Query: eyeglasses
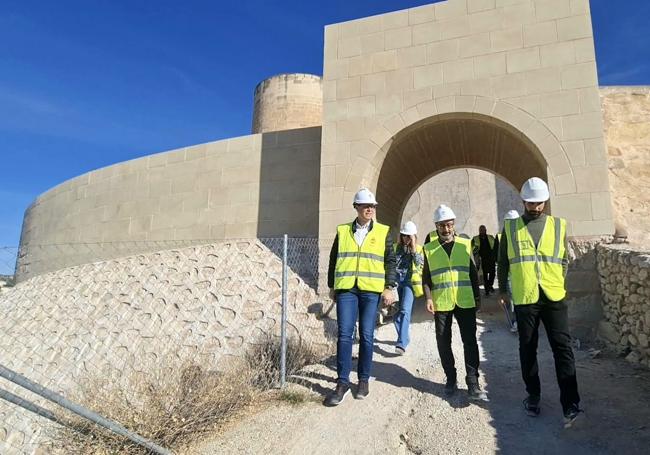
366,206
449,225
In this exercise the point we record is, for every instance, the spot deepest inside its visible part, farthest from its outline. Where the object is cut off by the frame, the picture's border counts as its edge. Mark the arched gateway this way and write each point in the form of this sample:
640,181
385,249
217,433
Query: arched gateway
509,87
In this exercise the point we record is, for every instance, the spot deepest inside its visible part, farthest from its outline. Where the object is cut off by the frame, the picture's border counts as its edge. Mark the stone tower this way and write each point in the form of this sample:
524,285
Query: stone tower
288,101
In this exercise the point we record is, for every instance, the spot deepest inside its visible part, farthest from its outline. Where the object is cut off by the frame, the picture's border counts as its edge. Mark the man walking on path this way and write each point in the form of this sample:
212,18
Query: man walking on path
533,252
486,247
361,270
451,288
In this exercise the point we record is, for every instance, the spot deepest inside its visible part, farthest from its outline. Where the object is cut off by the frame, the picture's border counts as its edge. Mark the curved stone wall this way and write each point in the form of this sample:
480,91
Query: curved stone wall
288,101
236,188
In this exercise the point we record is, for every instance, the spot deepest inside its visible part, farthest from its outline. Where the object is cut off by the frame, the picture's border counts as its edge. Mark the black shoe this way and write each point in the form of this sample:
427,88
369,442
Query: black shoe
363,390
475,393
531,405
450,387
571,414
337,396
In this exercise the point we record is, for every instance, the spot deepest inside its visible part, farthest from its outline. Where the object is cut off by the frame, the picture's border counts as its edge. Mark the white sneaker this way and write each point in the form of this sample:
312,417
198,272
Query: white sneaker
513,329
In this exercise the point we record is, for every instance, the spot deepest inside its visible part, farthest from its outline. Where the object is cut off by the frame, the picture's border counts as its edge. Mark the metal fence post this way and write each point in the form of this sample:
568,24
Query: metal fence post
283,325
50,395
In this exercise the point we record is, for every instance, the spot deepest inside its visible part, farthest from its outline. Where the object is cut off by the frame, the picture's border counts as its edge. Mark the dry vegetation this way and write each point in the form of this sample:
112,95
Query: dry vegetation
180,402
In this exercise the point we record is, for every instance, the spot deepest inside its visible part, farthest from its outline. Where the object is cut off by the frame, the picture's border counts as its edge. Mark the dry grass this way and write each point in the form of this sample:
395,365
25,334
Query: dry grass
178,403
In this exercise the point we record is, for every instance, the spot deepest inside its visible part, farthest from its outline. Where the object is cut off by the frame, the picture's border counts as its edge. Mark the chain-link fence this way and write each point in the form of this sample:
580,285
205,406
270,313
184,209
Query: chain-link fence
8,255
164,341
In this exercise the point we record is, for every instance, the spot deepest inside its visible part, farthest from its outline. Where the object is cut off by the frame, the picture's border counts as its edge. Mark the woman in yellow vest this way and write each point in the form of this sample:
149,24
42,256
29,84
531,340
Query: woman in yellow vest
410,260
534,254
451,288
361,272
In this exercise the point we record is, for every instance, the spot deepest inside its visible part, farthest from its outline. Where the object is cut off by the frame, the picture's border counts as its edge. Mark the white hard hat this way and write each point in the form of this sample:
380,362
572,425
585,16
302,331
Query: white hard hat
443,213
365,196
409,228
535,190
511,215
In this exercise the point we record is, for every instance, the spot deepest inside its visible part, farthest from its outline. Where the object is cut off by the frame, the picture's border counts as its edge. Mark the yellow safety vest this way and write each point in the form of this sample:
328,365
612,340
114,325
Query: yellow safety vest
416,275
476,242
534,267
450,275
361,265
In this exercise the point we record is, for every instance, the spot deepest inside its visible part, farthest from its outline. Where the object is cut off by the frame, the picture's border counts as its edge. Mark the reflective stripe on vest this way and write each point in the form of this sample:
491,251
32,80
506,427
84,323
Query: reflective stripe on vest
363,265
534,267
450,275
416,273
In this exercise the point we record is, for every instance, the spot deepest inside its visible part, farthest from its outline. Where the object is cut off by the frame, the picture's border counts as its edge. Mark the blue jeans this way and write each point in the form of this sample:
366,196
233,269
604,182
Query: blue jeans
402,319
350,305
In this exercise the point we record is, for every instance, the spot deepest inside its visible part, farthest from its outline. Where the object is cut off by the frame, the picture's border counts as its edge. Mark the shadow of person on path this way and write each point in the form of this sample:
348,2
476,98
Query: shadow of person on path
400,377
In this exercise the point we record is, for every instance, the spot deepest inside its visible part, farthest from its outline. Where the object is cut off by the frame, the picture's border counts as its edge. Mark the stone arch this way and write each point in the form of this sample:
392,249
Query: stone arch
513,125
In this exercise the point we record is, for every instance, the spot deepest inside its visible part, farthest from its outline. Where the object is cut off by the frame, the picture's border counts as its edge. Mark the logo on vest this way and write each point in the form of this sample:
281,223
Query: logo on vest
525,244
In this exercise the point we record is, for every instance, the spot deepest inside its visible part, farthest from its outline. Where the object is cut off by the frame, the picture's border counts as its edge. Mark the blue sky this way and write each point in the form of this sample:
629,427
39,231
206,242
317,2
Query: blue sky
84,84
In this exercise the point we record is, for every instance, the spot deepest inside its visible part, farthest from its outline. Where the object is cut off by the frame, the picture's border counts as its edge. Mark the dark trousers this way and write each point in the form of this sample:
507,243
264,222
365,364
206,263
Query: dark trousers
555,317
489,270
466,318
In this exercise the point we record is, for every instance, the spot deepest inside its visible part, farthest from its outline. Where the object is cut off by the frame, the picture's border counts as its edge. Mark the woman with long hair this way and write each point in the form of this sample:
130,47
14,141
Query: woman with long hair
410,260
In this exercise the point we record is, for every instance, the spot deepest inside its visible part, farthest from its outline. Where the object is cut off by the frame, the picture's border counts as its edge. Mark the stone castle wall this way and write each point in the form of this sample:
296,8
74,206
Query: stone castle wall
625,281
626,113
263,185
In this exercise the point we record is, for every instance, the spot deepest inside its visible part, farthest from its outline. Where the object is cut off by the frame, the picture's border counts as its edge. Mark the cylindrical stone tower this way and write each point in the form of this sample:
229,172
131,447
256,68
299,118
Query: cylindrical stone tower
288,101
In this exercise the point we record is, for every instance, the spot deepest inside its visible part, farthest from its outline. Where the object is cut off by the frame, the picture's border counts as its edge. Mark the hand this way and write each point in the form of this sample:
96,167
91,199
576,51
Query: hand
332,294
504,299
388,297
430,307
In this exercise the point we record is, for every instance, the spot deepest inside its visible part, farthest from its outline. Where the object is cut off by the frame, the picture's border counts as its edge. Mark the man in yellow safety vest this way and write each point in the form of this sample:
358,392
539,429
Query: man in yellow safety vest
533,253
451,288
361,272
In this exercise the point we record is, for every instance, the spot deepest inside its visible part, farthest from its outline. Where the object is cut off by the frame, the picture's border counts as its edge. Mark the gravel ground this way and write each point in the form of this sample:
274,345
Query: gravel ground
407,412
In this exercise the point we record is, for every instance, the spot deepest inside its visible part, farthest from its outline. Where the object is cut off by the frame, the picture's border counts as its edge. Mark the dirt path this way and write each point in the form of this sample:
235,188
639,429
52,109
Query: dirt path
407,412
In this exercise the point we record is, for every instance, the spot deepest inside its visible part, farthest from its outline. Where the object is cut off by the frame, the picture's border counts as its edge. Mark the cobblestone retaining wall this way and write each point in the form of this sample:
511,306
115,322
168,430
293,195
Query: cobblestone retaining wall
625,283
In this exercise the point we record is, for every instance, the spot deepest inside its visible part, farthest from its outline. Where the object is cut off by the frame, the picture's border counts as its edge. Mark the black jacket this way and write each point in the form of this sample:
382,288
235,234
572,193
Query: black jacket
390,263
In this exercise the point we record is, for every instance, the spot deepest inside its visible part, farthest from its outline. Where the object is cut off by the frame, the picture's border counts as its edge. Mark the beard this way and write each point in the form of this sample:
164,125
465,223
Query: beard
533,214
446,238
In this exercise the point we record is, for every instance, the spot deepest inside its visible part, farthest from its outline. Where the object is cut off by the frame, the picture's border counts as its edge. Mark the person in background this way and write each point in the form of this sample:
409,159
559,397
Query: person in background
534,255
486,247
410,259
361,272
510,309
451,288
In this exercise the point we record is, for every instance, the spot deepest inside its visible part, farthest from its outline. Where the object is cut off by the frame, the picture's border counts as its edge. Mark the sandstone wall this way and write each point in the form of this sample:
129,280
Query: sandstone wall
263,185
116,318
626,114
625,280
